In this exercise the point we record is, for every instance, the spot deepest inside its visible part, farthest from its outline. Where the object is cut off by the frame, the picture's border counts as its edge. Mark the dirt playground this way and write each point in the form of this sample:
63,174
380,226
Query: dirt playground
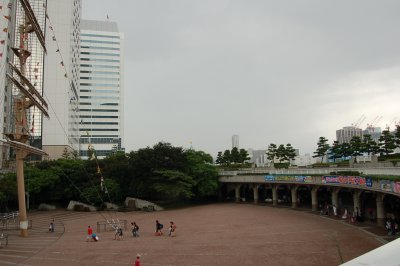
217,234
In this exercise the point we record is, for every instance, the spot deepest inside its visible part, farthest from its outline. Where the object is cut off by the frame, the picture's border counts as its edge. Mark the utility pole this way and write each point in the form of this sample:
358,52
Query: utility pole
27,97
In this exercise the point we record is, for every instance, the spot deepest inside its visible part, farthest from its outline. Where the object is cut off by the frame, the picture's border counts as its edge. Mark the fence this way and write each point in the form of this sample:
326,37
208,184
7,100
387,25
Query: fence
110,225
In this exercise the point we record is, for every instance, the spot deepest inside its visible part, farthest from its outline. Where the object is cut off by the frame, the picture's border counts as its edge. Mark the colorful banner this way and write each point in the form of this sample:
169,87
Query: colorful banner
347,180
386,185
287,178
396,187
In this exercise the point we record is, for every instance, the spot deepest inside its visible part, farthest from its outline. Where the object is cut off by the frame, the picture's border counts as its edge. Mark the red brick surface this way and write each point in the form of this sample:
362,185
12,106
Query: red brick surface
218,234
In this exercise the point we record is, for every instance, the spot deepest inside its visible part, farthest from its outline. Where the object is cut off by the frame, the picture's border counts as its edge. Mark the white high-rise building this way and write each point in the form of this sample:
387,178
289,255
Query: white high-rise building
235,141
101,88
345,134
61,77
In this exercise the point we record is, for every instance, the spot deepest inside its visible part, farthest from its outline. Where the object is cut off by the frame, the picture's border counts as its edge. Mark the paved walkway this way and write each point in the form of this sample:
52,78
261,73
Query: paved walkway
217,234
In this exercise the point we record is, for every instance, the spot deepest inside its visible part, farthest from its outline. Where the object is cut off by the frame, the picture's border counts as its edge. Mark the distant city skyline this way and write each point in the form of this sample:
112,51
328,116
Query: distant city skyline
271,72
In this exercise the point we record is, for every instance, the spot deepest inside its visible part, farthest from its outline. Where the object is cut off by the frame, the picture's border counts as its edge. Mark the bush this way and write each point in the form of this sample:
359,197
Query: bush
321,165
347,173
281,165
389,157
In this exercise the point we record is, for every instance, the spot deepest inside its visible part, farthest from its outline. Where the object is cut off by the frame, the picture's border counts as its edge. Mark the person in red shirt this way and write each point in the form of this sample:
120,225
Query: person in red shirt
89,233
137,261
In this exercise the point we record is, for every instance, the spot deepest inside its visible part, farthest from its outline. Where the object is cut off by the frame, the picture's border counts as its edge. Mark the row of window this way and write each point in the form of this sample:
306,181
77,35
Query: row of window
98,97
93,41
99,60
101,54
100,72
98,116
98,129
99,85
98,35
99,140
97,78
97,104
100,110
100,123
102,48
99,136
98,153
102,91
99,66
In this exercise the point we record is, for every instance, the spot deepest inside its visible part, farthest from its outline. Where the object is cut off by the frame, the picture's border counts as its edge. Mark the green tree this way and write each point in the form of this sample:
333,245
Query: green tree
281,153
172,185
204,174
345,150
8,189
356,146
220,159
335,151
322,148
369,145
94,196
290,152
244,156
397,136
271,152
235,156
386,142
116,167
227,157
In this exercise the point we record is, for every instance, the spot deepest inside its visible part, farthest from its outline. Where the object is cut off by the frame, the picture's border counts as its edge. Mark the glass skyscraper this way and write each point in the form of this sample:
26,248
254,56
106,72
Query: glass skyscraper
101,88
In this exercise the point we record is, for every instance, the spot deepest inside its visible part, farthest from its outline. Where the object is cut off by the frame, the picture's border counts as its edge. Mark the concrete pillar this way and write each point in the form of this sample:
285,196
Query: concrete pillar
293,190
356,200
334,196
255,193
237,193
314,198
274,195
23,218
219,191
380,209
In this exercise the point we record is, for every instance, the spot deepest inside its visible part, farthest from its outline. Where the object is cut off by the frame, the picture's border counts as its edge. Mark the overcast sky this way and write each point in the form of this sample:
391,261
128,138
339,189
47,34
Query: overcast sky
269,71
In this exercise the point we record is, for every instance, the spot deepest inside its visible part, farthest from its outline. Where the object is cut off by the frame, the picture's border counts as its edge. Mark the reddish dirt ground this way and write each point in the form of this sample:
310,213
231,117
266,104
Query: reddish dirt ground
217,234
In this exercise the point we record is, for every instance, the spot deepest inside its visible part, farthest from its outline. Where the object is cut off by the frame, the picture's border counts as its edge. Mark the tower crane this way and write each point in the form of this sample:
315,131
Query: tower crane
359,121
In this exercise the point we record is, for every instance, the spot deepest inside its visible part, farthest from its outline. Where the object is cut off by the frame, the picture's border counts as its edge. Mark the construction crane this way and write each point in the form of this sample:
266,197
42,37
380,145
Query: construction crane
359,121
371,126
395,121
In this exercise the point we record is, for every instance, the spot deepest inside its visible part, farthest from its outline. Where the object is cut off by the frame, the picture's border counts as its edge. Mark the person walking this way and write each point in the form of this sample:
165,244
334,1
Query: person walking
51,227
334,210
135,229
159,227
137,261
89,233
172,229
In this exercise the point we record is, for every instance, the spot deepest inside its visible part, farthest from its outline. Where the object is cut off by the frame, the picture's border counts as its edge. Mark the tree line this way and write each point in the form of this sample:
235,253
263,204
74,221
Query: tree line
358,145
234,156
159,173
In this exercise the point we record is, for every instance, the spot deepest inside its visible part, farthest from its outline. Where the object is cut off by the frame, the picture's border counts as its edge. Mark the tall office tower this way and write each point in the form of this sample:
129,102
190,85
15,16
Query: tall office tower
34,71
345,134
13,39
61,79
101,88
6,56
235,141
